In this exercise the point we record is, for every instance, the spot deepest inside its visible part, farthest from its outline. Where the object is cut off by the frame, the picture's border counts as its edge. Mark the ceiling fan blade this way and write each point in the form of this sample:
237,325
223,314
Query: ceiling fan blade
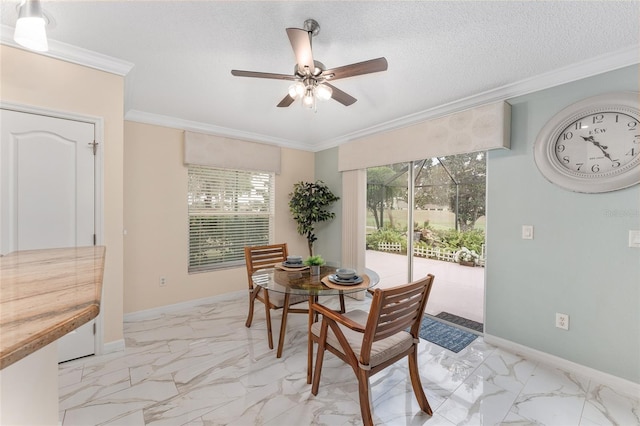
301,43
366,67
239,73
286,101
340,96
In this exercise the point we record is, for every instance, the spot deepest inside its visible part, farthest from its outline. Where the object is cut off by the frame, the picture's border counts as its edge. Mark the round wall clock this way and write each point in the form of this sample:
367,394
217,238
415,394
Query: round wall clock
593,145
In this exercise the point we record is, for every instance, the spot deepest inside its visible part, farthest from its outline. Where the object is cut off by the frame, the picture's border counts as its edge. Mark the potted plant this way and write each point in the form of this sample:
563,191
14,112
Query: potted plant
466,257
308,204
314,263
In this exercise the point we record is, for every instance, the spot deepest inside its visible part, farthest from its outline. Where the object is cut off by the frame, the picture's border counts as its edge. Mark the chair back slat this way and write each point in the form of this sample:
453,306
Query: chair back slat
401,317
395,309
259,257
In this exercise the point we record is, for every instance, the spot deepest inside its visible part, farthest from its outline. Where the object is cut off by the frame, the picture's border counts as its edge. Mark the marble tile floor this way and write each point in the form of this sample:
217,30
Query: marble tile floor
201,366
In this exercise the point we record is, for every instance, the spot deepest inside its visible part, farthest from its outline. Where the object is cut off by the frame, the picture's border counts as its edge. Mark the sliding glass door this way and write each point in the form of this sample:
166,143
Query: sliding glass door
428,217
387,202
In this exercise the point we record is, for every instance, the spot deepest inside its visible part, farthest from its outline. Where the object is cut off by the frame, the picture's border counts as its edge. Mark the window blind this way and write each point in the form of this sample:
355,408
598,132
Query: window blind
228,210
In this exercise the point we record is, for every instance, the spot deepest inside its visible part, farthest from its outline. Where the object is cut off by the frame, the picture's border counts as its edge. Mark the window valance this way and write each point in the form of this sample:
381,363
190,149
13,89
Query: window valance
477,129
216,151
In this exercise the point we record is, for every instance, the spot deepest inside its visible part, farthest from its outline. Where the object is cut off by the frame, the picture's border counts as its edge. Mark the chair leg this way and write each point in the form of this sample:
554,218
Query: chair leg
252,298
414,373
267,312
320,357
283,325
365,397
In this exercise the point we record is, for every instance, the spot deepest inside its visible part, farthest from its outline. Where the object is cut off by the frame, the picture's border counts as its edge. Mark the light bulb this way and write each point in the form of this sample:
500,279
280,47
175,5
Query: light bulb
30,27
323,92
296,89
30,33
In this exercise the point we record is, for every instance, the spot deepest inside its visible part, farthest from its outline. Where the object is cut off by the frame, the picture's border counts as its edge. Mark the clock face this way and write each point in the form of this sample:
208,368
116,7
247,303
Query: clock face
602,143
593,145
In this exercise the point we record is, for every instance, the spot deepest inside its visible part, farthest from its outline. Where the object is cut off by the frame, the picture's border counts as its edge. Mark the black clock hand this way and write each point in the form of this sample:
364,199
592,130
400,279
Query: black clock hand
602,147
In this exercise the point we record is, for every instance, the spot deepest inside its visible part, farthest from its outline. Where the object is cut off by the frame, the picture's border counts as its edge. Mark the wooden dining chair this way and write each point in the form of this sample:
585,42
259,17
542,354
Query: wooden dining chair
260,257
371,342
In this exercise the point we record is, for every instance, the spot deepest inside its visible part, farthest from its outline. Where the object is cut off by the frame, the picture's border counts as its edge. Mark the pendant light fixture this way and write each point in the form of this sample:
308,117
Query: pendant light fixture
30,27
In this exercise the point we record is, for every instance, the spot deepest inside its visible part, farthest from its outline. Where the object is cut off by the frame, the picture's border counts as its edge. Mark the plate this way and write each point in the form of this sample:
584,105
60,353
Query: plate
355,280
293,265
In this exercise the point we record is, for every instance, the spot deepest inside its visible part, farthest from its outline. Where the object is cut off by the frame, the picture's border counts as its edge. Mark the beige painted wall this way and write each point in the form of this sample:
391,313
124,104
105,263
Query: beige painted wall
32,79
155,218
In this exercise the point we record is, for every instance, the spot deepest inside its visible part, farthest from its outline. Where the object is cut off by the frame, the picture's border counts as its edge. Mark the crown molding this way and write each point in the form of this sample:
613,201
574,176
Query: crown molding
598,65
578,71
196,126
69,53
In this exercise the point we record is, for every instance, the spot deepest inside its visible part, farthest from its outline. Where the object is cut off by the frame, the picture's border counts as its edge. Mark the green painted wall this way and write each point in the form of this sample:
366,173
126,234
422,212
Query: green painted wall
578,263
329,233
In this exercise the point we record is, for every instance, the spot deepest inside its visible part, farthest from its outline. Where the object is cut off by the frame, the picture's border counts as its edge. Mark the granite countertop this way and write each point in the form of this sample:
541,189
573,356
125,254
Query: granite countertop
45,294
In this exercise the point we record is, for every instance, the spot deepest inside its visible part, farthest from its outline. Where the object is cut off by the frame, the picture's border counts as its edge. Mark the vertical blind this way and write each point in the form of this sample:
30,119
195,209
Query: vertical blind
228,210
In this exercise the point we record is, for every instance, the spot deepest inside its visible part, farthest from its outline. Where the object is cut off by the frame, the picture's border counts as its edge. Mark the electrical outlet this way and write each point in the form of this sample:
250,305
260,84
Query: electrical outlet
527,232
562,321
163,281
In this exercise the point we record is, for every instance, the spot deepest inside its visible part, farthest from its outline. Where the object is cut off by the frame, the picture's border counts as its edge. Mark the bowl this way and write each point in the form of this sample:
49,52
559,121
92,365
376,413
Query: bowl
345,273
294,259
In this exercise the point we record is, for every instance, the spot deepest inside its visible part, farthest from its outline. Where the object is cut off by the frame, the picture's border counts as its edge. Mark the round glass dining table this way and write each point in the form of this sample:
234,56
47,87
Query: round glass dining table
292,281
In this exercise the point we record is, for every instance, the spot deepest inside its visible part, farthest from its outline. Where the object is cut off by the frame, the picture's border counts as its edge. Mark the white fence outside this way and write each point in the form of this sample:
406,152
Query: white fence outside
432,253
382,246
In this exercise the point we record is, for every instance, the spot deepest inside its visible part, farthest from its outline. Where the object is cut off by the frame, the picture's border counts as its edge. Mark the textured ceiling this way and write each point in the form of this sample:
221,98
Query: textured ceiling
439,52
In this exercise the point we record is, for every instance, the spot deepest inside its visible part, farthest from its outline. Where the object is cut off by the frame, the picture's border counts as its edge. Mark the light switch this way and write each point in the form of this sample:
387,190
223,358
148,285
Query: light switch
634,239
527,232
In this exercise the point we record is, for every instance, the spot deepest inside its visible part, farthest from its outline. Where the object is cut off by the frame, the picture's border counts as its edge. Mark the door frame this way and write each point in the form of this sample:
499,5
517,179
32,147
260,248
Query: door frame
98,123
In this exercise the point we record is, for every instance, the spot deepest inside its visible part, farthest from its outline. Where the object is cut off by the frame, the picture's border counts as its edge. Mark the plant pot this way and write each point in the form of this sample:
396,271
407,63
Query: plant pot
465,263
314,269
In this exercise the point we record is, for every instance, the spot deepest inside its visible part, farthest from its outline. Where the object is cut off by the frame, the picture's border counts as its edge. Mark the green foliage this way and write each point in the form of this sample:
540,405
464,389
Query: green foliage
314,260
421,244
455,240
473,239
455,180
450,239
387,235
308,204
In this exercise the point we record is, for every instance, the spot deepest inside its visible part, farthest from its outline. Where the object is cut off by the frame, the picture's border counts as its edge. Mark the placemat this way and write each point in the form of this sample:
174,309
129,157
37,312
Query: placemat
286,268
362,286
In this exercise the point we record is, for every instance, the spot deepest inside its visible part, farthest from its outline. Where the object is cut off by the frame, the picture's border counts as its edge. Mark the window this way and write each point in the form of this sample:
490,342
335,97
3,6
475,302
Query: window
228,210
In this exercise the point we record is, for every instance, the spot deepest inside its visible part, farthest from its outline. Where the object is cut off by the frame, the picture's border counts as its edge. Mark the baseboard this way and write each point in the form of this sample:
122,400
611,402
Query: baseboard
115,346
617,383
155,312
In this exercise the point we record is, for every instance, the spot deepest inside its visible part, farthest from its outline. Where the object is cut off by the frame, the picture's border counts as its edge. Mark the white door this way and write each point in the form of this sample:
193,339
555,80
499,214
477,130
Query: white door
47,191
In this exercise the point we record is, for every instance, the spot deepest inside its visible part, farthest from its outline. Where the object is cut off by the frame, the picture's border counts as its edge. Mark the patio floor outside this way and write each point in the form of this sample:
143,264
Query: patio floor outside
457,289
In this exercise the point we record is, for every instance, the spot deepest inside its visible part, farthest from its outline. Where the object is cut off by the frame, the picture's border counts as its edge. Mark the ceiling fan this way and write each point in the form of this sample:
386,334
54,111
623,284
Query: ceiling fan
311,77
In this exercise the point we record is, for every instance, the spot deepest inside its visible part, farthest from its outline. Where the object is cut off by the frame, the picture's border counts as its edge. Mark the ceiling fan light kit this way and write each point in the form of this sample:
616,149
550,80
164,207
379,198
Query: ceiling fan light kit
310,77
